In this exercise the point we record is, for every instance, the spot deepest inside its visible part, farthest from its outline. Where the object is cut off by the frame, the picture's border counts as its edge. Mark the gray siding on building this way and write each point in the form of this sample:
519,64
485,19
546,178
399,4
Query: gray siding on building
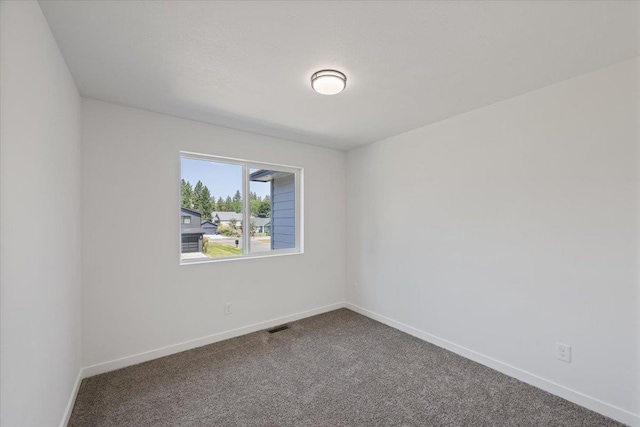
283,213
192,232
195,220
209,227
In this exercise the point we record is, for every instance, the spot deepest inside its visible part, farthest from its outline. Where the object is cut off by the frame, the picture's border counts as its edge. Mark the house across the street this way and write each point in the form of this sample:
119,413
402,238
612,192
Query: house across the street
209,227
191,230
227,217
262,225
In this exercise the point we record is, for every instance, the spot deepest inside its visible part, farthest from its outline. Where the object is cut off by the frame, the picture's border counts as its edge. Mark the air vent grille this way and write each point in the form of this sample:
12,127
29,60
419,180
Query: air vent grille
277,329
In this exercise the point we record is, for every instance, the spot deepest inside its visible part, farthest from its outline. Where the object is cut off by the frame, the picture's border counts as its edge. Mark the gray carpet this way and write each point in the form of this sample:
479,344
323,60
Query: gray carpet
335,369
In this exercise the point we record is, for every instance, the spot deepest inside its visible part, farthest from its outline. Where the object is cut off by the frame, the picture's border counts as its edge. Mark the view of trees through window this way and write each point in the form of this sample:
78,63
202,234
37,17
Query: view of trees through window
212,209
199,197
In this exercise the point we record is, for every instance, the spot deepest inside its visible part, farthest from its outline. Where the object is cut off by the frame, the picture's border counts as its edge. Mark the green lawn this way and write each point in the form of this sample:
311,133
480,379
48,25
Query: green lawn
220,250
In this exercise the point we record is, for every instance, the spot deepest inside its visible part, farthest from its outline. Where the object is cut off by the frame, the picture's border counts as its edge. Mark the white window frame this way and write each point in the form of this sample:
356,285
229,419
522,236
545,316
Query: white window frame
247,165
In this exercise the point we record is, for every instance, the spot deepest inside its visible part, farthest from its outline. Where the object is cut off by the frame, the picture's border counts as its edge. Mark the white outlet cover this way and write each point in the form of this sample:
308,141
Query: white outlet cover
227,308
563,352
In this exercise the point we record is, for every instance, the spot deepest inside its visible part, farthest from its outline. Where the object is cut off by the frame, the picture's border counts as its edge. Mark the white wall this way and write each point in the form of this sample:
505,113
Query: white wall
39,221
136,296
512,227
522,231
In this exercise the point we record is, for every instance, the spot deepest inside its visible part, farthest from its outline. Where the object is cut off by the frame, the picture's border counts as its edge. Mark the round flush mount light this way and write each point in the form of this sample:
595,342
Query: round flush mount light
328,82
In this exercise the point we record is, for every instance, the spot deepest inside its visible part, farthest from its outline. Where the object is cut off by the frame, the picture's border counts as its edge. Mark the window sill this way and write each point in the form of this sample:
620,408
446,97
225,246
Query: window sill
242,257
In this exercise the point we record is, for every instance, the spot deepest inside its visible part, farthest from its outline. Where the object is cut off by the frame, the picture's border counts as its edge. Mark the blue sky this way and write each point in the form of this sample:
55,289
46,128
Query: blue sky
222,179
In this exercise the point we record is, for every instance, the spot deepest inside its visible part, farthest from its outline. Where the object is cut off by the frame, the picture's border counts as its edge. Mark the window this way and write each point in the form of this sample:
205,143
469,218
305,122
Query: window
238,209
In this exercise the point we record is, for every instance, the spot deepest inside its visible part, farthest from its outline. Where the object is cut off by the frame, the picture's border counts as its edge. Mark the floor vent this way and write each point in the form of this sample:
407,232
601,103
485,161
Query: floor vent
277,329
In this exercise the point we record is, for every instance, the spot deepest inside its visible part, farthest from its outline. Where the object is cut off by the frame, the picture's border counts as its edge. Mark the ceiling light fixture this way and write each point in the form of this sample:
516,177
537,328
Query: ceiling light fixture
328,82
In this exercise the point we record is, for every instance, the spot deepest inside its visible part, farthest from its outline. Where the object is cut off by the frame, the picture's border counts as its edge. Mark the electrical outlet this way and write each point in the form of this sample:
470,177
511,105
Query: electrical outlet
227,308
563,352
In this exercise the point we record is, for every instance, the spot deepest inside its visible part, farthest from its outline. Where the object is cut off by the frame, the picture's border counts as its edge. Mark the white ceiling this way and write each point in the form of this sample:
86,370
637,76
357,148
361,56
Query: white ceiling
247,65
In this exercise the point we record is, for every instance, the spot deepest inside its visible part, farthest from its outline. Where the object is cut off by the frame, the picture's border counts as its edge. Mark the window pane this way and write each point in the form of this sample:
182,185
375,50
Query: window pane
211,195
273,213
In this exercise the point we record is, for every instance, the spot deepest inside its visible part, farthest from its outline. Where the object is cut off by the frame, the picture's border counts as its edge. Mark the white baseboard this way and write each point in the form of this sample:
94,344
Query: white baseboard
571,395
123,362
72,400
574,396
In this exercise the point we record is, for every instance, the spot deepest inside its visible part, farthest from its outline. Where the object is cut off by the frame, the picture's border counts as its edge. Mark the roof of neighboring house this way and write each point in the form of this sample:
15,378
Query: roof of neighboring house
227,216
260,222
191,211
207,223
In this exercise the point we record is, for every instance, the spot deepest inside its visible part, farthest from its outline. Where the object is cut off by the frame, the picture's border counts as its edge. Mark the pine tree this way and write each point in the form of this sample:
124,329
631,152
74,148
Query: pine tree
197,193
202,201
255,206
212,203
205,204
187,194
220,205
264,210
237,202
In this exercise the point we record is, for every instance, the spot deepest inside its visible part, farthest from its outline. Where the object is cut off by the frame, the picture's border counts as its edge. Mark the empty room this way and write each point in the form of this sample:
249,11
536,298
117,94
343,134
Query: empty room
319,213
